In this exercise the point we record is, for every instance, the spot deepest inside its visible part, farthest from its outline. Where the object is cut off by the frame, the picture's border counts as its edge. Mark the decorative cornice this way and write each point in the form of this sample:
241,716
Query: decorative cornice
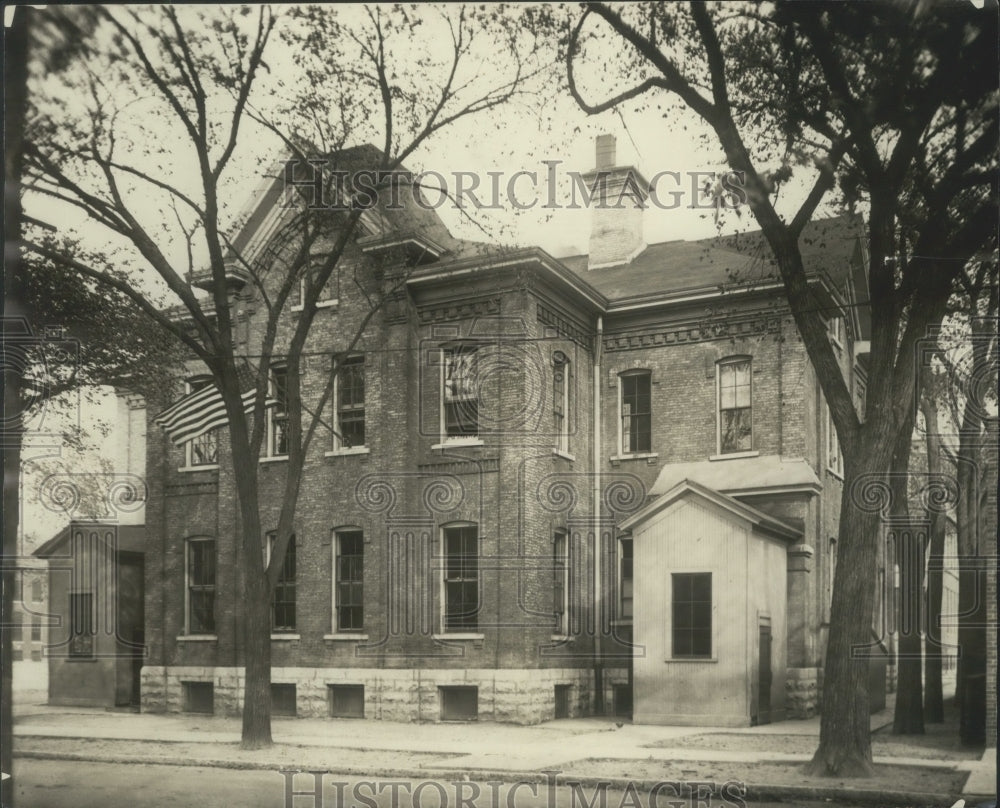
458,310
564,327
694,332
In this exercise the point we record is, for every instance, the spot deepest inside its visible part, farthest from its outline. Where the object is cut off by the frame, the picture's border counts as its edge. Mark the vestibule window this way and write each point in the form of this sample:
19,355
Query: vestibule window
460,395
461,578
735,425
636,411
691,605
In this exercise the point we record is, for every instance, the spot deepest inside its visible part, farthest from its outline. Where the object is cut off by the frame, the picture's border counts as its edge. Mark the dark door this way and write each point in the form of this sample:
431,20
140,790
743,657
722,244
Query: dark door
764,677
562,701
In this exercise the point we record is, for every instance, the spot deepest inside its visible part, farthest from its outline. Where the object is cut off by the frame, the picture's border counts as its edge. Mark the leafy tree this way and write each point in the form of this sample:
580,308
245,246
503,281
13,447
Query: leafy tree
173,109
859,102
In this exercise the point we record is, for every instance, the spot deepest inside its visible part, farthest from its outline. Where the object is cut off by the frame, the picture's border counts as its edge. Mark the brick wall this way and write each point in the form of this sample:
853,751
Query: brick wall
990,551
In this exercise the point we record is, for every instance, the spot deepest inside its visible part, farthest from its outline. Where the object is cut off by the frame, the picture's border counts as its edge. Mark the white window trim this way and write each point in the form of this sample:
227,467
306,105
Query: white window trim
835,327
268,457
719,454
269,538
620,619
320,304
337,633
835,468
339,449
623,453
455,440
444,633
562,437
187,636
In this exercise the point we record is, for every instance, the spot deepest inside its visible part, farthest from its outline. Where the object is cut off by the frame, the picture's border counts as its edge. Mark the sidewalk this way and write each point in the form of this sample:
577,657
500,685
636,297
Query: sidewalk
768,759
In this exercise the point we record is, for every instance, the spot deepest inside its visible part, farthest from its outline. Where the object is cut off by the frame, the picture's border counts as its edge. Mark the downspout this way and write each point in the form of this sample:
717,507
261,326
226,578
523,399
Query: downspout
598,616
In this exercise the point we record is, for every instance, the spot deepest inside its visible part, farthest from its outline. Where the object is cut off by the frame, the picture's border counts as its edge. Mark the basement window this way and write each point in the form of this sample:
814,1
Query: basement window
347,701
199,697
459,703
282,699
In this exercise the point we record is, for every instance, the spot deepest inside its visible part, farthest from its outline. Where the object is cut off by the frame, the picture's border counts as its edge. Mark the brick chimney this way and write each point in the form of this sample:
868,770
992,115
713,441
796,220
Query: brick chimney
618,195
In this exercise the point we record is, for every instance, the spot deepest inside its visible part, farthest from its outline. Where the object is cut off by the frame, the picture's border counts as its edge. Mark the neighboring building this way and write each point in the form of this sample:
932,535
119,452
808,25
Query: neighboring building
542,470
93,609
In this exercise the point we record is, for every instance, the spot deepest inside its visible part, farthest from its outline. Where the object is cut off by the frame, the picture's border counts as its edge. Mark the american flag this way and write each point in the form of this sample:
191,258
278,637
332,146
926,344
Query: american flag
203,410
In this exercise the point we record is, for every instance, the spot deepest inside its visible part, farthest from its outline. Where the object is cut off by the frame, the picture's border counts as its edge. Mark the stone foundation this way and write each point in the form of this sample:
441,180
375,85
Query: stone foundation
802,691
514,696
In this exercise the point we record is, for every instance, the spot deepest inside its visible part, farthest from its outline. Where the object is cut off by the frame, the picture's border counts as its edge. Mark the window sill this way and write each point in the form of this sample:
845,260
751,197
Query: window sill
563,455
636,456
276,459
189,469
289,636
454,443
353,450
733,455
459,636
320,304
197,638
346,637
712,660
838,474
561,638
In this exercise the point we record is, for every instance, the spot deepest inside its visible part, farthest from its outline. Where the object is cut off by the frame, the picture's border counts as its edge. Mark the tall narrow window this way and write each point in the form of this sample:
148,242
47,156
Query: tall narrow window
278,414
636,412
203,450
461,578
349,580
351,403
201,586
560,582
283,603
735,412
834,460
625,579
692,614
81,625
560,399
460,397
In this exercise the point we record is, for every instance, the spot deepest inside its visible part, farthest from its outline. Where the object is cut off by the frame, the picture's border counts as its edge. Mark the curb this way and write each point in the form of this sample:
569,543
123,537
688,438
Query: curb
859,796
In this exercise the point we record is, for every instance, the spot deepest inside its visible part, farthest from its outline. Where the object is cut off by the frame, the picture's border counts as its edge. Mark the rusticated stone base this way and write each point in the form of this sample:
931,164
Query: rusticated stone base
524,696
802,692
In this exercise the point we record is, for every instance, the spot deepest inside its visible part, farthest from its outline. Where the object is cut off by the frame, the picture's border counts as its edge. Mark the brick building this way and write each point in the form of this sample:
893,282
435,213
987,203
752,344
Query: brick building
503,434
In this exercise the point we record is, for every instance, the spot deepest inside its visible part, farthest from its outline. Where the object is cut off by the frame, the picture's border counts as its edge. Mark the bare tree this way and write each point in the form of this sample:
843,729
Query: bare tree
861,101
174,103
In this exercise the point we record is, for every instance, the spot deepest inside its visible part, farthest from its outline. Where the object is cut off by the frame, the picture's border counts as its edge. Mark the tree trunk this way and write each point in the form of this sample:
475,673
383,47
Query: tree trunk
845,737
257,649
909,537
933,647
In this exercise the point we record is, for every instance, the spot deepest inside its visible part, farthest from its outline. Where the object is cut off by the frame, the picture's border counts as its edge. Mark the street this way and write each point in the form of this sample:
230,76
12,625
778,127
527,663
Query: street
80,784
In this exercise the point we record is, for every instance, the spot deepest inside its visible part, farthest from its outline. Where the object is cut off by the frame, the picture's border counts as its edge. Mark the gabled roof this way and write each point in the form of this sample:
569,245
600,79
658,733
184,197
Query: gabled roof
131,538
741,475
689,488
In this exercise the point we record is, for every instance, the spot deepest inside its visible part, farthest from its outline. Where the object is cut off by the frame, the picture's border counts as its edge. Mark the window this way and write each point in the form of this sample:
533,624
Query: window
283,602
36,591
460,396
560,399
636,418
625,579
859,395
735,414
327,297
459,703
350,398
277,416
461,578
283,699
835,328
201,586
347,701
16,629
349,580
36,630
834,461
81,625
203,450
199,697
692,614
560,582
